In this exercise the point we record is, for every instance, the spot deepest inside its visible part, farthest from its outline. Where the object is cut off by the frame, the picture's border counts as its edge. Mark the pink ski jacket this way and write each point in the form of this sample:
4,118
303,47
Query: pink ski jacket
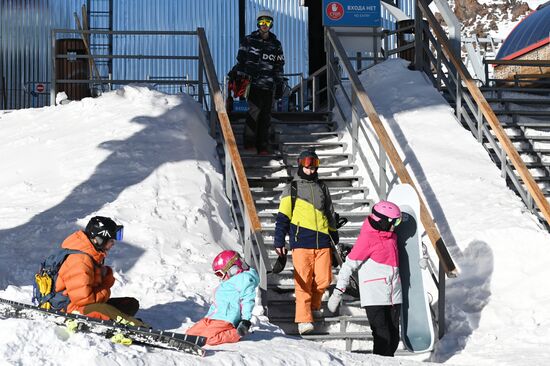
375,255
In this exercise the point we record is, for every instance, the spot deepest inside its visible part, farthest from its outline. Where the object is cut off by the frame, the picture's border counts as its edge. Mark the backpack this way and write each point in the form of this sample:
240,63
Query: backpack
44,295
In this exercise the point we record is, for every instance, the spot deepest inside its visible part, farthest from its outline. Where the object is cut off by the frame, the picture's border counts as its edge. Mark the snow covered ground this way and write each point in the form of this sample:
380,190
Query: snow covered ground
496,309
146,159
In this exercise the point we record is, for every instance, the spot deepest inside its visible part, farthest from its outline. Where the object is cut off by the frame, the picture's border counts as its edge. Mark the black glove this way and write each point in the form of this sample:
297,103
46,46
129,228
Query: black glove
243,327
340,221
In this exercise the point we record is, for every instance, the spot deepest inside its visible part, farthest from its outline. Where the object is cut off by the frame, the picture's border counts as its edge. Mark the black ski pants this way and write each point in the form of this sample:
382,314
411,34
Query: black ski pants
258,119
384,323
117,309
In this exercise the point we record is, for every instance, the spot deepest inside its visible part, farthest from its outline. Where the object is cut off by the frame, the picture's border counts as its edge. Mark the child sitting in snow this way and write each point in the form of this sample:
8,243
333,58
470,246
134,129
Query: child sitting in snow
228,318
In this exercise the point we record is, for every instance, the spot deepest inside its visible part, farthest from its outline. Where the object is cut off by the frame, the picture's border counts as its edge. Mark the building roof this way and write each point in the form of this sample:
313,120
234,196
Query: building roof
531,33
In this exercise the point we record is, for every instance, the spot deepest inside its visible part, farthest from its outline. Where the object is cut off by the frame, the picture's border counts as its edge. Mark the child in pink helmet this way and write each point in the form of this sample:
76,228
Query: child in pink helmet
228,318
375,256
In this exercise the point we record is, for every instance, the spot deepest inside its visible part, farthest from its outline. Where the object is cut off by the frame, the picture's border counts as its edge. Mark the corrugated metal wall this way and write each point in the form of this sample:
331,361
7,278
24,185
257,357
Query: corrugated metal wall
290,27
219,18
25,38
25,47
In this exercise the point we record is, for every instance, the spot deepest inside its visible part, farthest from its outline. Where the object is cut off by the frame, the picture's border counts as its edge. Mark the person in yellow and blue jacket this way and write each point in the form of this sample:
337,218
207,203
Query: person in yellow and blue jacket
310,224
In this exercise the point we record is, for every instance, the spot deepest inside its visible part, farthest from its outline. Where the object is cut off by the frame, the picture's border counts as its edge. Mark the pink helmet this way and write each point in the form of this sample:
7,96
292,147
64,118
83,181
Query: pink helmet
385,214
228,263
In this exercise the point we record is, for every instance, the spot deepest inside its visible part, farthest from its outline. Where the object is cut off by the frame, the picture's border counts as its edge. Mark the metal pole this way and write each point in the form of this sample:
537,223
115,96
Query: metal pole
479,117
354,125
200,77
228,187
382,163
314,96
213,117
330,76
458,98
418,33
441,302
302,92
52,69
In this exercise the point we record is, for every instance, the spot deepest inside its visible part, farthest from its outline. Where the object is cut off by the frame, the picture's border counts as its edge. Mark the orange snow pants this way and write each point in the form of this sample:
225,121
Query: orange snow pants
312,276
216,331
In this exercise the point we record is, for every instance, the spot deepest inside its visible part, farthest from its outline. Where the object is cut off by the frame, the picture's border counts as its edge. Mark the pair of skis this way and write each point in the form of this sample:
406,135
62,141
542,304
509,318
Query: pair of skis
116,332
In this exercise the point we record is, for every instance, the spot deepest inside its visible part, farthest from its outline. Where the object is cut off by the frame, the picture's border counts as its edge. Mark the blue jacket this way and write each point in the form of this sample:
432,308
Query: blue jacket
234,298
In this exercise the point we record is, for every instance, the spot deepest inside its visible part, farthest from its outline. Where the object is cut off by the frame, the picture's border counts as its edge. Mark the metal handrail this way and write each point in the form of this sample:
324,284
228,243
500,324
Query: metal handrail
361,106
236,181
366,105
313,78
485,116
95,78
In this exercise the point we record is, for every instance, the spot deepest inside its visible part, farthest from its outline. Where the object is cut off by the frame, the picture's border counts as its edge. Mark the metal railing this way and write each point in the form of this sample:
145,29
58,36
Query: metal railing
236,183
434,55
541,79
310,88
96,81
364,124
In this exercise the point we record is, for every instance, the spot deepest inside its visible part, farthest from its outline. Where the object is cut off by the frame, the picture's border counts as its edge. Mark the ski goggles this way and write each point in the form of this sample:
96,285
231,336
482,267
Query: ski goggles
119,232
396,222
265,22
309,162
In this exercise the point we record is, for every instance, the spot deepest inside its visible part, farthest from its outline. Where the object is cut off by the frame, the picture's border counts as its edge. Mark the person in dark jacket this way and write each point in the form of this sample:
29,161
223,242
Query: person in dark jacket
375,256
311,226
261,61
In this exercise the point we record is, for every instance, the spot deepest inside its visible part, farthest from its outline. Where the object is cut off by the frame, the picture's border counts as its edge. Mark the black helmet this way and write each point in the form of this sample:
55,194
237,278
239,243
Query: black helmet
102,229
308,158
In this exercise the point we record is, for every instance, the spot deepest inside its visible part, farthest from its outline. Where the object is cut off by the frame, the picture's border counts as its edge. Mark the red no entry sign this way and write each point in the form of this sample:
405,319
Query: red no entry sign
40,88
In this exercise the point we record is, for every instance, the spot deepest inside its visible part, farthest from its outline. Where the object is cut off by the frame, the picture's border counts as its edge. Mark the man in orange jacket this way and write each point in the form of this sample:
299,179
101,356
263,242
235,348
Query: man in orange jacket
87,281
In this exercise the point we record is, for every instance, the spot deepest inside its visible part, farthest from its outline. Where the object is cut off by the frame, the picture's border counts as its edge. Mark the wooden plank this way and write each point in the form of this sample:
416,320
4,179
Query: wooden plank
489,114
395,159
83,36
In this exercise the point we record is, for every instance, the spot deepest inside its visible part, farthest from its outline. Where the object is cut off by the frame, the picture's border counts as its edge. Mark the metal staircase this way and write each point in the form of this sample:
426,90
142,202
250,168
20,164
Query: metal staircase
359,164
525,114
267,175
513,130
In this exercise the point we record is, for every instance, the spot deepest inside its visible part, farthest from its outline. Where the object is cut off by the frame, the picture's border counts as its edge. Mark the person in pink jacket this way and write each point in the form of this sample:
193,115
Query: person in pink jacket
375,255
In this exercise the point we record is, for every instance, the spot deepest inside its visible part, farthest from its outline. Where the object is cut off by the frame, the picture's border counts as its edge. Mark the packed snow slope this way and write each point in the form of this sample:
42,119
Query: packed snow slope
146,159
497,309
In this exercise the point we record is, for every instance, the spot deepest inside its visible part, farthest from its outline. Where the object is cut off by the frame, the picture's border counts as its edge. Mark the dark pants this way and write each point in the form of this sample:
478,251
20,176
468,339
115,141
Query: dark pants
258,119
116,309
384,323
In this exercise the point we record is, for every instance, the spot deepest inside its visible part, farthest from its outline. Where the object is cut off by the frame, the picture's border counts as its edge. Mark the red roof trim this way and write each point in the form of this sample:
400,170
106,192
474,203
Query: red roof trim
527,49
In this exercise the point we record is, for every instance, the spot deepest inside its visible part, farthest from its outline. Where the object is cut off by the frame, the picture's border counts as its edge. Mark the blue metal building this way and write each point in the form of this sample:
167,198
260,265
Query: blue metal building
25,45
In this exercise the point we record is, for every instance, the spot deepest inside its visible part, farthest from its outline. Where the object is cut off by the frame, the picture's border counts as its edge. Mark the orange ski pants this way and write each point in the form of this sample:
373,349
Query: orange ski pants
312,276
216,331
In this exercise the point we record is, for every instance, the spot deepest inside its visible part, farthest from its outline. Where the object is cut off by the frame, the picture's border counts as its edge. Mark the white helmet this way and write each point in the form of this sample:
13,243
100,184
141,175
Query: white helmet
264,14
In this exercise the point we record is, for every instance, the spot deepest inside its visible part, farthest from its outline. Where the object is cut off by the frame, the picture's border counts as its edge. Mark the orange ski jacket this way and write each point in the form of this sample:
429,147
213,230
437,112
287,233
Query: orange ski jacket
83,277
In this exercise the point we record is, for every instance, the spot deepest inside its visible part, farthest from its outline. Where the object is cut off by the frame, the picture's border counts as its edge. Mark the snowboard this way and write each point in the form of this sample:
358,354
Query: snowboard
417,332
108,329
